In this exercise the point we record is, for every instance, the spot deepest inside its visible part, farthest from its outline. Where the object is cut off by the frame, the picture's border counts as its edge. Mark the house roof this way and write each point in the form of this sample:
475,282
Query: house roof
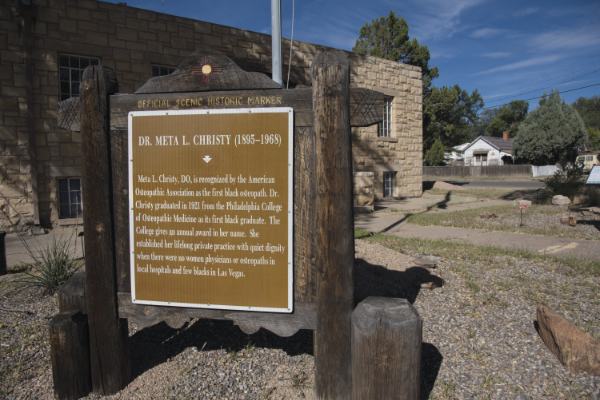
496,142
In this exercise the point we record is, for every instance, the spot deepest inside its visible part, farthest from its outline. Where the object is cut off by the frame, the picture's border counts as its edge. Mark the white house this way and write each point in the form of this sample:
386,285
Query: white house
457,153
487,150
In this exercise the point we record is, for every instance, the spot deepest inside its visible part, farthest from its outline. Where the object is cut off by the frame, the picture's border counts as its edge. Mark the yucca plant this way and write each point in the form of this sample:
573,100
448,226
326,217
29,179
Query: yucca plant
53,264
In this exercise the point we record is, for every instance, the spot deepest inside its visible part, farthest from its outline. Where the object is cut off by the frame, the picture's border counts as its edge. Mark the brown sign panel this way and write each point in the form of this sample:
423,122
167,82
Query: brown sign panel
210,195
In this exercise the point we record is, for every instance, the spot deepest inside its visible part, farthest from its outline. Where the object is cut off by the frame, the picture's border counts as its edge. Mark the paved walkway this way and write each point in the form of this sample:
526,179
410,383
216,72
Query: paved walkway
16,244
393,224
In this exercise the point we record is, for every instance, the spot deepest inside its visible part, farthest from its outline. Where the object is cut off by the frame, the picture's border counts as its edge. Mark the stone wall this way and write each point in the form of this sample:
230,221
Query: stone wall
130,41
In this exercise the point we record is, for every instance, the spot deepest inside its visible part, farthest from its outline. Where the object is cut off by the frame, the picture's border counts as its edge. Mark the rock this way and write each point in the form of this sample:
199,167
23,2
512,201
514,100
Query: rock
425,263
521,202
561,200
487,215
587,213
576,350
568,220
431,282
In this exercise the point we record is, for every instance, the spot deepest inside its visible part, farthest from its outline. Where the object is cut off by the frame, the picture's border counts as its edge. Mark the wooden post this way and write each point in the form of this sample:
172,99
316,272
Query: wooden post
70,349
71,294
109,339
335,237
386,350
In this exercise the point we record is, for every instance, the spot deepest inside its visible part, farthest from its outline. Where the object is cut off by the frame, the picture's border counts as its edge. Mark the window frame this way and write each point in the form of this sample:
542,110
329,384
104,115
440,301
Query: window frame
70,74
78,198
389,183
170,70
384,128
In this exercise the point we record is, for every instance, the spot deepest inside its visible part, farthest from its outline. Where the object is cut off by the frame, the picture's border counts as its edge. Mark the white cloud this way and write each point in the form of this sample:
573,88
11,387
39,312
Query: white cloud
524,64
486,32
496,54
527,11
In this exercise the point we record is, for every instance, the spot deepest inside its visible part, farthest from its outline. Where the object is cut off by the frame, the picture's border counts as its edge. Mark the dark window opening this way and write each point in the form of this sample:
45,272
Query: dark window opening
71,73
69,198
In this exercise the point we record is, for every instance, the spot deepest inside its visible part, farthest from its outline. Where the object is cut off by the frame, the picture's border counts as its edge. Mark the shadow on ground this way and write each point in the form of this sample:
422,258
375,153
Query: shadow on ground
157,344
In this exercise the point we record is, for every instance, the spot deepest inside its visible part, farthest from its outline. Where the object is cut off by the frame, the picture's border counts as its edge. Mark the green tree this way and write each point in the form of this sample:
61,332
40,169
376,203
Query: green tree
507,118
450,115
435,155
589,110
387,37
551,130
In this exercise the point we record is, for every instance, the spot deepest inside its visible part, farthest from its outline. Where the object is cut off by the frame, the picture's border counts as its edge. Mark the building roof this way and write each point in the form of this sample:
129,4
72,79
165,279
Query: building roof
496,142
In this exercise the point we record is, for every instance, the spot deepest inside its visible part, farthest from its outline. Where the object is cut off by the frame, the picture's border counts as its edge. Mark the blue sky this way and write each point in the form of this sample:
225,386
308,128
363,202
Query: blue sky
508,50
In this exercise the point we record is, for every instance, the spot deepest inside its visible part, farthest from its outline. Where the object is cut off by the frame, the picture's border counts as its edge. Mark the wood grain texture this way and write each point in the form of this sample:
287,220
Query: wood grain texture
120,187
330,74
207,70
305,187
109,339
386,350
70,352
366,106
71,294
303,317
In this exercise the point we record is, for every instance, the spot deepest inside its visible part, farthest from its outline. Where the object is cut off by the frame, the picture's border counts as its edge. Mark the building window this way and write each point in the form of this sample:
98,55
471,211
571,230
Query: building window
69,198
389,179
481,157
158,70
385,126
71,73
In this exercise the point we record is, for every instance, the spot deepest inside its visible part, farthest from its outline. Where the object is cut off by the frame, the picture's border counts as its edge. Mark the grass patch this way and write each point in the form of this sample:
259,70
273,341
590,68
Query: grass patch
53,264
483,254
508,220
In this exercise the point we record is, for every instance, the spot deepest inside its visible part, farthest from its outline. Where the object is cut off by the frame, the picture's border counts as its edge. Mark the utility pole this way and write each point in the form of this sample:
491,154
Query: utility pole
276,40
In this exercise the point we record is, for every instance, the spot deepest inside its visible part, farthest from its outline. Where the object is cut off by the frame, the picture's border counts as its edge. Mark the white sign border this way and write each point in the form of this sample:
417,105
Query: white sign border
290,112
593,175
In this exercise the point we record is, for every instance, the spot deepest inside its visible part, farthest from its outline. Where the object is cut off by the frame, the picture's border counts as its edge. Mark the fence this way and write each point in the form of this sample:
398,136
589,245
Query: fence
492,171
543,170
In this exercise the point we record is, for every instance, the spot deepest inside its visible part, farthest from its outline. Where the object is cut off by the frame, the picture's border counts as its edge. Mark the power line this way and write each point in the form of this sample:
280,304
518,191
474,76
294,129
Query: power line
545,80
537,90
566,91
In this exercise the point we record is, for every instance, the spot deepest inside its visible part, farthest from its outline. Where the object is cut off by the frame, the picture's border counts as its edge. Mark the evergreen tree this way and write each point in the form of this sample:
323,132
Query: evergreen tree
388,38
435,155
507,118
589,110
553,129
450,115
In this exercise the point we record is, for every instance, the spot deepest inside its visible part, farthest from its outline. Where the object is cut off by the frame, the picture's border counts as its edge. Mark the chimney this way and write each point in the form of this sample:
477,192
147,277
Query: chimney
505,135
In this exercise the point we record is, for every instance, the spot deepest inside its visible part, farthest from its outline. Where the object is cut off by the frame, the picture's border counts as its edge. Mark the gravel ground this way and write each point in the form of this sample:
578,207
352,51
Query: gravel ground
479,337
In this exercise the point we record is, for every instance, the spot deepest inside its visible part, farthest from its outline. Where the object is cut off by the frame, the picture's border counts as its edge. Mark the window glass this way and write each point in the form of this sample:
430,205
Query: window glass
385,126
160,70
71,72
69,198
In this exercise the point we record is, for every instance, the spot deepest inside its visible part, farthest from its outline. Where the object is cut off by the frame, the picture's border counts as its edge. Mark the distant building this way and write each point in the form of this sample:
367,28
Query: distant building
456,155
40,164
488,150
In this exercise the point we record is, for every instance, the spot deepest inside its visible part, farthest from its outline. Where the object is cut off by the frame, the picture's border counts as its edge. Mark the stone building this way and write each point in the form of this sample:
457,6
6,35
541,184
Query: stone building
45,45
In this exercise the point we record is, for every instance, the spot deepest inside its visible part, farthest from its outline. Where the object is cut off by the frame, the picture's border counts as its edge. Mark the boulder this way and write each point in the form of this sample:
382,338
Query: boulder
521,202
561,200
364,200
576,350
425,263
487,215
568,220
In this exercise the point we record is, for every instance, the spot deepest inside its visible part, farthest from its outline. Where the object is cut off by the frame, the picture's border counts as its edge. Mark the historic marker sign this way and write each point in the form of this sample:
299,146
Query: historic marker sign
210,195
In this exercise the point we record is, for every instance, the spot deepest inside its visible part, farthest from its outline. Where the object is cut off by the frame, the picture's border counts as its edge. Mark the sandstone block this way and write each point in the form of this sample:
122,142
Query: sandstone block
576,350
364,200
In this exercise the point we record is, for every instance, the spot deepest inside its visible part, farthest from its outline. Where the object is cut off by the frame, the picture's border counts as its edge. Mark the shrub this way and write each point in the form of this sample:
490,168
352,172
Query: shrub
566,181
53,264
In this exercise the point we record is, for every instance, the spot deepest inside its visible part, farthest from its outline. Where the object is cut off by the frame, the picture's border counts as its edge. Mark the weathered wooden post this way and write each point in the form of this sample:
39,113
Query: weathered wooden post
69,340
386,350
109,338
335,237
